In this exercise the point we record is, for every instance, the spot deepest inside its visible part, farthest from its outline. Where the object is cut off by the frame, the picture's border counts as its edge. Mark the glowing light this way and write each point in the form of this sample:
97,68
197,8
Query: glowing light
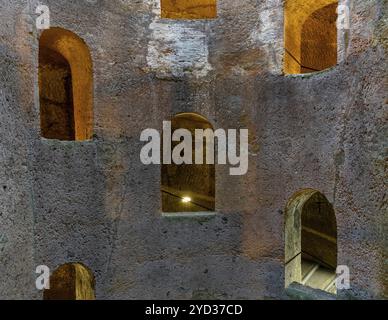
186,199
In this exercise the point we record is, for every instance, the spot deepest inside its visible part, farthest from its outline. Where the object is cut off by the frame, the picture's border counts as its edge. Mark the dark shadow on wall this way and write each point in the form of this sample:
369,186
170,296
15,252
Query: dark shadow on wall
16,214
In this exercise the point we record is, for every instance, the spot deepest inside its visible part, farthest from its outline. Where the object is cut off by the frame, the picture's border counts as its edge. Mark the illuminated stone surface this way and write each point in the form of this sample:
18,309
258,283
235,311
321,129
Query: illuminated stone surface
95,203
310,35
71,281
194,181
189,9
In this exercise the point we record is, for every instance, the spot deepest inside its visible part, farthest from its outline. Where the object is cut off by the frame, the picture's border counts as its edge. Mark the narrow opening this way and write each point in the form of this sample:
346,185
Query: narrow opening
188,187
311,241
310,36
65,86
189,9
71,281
56,96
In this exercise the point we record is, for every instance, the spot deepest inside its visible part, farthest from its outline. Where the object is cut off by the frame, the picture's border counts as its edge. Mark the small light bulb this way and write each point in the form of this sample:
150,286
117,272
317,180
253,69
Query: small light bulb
186,199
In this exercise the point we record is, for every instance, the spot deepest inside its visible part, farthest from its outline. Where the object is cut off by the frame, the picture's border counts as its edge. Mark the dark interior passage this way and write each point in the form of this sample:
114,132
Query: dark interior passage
56,96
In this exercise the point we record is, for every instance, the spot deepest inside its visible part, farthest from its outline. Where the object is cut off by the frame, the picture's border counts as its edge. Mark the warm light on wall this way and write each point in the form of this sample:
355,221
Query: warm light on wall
310,35
189,9
186,199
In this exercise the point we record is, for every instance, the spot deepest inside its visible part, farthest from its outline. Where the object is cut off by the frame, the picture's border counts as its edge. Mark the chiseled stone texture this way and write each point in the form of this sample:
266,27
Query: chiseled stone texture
93,202
296,291
16,104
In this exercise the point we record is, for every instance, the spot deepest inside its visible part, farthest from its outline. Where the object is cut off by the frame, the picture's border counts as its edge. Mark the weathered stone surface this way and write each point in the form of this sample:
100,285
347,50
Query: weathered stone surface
95,203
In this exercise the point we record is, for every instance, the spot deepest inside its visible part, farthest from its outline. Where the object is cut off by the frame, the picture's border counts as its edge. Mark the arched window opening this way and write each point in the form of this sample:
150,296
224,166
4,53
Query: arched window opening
71,281
189,9
311,241
65,86
310,35
188,187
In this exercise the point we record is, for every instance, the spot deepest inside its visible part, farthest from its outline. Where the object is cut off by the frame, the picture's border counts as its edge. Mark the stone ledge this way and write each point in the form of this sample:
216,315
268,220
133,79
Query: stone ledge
201,215
297,291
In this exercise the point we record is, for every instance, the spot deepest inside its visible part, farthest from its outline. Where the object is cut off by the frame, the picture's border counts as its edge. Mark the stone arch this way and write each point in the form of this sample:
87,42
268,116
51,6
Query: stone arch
310,241
71,281
194,181
65,86
189,9
310,35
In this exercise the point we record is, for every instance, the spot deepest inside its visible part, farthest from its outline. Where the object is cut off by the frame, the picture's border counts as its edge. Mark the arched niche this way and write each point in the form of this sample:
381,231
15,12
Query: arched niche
65,86
310,35
188,181
71,281
189,9
310,241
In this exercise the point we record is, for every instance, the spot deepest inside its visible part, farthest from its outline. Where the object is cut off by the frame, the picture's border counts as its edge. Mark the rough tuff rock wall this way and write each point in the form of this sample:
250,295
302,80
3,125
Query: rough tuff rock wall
95,203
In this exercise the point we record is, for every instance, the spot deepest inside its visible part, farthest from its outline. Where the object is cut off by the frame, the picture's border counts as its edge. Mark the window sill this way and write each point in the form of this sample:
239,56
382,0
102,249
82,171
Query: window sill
297,291
310,74
189,215
69,142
